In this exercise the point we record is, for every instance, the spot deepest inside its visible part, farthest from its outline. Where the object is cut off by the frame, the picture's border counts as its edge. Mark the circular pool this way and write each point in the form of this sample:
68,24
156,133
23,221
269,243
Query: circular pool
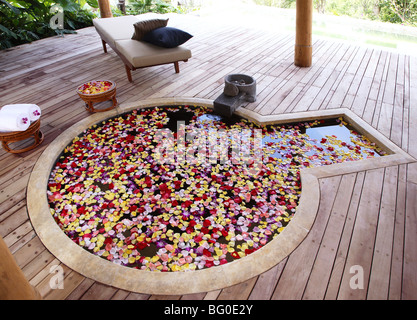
174,199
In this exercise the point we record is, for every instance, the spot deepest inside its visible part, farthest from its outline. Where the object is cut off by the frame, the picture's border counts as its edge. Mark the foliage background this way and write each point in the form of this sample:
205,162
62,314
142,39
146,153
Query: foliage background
394,11
25,21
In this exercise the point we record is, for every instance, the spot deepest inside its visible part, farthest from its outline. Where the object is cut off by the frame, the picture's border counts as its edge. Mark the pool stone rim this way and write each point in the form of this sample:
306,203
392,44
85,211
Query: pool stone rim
214,278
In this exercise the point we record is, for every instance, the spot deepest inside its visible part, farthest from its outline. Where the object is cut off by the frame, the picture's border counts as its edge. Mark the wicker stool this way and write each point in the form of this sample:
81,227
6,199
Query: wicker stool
89,99
33,130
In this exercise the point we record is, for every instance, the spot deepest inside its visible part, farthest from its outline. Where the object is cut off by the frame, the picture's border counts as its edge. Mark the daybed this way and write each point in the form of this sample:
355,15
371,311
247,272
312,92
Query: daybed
117,33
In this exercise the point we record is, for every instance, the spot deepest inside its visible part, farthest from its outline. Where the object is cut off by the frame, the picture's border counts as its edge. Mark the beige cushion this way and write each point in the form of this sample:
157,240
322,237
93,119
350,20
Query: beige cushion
116,28
143,27
142,54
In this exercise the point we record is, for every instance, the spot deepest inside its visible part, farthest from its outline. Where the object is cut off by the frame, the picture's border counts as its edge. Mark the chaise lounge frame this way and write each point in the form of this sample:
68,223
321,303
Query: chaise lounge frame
128,65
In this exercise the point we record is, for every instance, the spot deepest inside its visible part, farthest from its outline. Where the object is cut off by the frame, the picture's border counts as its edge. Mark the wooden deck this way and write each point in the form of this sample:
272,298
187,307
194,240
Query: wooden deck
366,219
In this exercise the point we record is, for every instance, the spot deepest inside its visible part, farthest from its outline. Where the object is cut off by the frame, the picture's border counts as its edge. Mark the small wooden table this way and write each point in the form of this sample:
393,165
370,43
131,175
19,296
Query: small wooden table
97,91
34,130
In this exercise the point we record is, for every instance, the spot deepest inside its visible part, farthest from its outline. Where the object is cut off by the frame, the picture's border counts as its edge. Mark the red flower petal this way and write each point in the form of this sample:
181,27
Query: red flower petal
204,230
192,223
141,245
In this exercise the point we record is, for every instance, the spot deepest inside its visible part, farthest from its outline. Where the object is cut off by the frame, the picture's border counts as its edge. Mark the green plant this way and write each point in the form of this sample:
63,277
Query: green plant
276,3
25,21
144,6
396,11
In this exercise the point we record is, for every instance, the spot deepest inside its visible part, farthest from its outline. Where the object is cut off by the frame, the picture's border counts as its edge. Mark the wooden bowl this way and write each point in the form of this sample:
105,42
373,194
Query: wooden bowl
97,91
34,130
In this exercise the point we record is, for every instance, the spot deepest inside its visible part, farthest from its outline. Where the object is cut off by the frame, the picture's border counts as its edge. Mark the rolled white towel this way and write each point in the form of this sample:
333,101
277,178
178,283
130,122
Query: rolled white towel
14,122
32,109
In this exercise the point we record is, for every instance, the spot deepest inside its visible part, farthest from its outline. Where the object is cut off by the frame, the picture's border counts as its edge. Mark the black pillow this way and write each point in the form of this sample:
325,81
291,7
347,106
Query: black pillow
167,37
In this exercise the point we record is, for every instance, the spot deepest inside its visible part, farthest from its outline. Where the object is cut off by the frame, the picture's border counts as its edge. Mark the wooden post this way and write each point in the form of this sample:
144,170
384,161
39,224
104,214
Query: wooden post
303,39
105,10
122,6
13,284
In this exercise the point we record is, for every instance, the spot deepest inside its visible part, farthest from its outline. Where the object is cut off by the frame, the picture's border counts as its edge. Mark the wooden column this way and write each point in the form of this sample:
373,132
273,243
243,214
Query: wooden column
13,284
105,10
303,39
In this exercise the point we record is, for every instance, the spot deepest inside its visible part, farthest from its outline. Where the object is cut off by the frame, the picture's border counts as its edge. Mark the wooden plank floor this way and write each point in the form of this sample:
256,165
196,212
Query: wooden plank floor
366,219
